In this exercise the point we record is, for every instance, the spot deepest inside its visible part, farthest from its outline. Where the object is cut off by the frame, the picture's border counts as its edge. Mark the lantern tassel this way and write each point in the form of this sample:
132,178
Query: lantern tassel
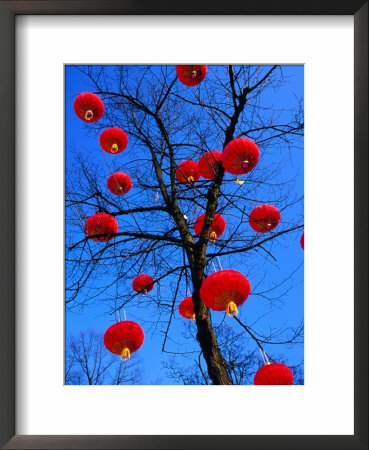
213,236
231,309
191,179
114,148
89,114
193,317
125,354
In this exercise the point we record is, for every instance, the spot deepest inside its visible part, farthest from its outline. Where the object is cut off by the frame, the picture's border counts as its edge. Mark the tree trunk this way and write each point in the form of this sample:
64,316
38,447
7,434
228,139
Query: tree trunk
217,366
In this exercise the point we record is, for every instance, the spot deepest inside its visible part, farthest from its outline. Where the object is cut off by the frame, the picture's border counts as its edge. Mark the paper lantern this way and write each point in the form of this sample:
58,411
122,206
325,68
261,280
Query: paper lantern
119,183
217,227
143,284
101,224
113,140
191,75
273,373
124,338
187,172
208,164
302,241
88,107
186,308
225,290
240,156
264,218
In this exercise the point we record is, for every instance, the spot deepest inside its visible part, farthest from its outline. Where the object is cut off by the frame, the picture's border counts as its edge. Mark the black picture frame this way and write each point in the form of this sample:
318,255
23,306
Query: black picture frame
8,12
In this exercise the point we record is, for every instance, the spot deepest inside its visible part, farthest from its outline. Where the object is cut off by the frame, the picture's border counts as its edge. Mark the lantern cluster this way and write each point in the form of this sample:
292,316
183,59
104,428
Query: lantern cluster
238,157
101,227
224,290
126,337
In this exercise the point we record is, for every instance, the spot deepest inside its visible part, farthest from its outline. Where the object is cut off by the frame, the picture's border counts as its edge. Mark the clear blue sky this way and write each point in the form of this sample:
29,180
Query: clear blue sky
263,273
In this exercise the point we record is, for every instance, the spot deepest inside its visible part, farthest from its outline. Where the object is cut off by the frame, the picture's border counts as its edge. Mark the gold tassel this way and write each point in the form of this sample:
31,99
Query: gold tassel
213,236
191,179
114,148
89,114
239,181
231,309
193,317
125,354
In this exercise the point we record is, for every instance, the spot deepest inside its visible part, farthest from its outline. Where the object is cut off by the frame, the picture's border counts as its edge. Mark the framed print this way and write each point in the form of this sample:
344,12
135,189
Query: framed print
57,57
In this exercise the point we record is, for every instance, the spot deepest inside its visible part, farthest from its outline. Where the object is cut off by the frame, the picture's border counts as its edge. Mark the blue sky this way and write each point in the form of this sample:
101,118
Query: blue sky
262,272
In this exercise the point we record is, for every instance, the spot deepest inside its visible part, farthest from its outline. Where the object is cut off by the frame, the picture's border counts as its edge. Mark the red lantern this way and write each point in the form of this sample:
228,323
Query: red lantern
124,338
273,373
119,183
217,227
302,241
225,290
240,156
186,308
264,218
88,107
101,223
143,284
208,164
187,172
113,140
191,75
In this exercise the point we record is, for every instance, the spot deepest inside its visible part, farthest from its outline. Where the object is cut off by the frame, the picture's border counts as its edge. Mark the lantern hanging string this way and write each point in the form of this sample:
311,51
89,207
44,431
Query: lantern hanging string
118,315
213,266
220,264
124,312
262,355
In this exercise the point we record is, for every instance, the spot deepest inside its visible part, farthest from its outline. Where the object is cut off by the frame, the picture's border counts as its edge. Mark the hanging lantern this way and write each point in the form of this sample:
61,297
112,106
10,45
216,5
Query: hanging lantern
88,107
143,284
217,228
240,156
119,183
264,218
225,290
101,223
124,338
186,308
273,373
191,75
113,140
302,241
208,164
187,172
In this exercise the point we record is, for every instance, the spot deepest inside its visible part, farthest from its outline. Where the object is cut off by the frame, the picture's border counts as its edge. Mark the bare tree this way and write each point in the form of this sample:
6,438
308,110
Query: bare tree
167,123
88,362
